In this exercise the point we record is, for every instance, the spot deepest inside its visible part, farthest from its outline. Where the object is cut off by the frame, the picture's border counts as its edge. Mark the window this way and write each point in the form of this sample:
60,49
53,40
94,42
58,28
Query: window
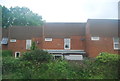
66,43
48,39
28,44
95,38
17,54
116,43
12,40
4,41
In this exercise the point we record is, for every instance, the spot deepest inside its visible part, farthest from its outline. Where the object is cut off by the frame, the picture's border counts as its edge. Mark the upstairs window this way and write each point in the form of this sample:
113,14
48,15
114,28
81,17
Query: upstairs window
28,44
66,43
95,38
48,39
116,43
12,40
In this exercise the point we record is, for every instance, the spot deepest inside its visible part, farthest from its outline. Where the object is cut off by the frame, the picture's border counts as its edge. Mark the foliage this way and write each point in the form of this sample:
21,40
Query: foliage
32,66
6,53
106,57
0,16
20,16
33,47
9,64
37,56
58,70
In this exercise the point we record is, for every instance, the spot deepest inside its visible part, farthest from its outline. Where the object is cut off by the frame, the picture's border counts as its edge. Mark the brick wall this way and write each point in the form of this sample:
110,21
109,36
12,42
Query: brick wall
39,42
54,44
76,43
93,48
18,46
4,47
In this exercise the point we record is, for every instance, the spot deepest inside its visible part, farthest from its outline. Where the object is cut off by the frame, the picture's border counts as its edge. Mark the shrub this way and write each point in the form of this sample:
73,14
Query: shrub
33,47
6,53
107,57
9,64
58,70
107,65
37,56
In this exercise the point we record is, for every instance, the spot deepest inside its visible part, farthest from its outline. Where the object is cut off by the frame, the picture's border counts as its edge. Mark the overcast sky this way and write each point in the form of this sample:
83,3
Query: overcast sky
69,10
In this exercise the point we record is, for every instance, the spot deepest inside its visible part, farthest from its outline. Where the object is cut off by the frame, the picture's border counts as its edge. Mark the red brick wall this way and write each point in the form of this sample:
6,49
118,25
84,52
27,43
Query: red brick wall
54,44
76,43
18,46
39,42
93,48
4,47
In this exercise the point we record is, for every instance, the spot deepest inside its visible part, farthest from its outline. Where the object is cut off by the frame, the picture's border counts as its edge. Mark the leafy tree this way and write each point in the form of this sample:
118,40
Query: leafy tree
20,16
0,16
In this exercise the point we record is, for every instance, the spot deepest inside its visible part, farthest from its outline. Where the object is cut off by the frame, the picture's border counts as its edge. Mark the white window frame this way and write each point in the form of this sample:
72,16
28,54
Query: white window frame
48,39
114,43
12,40
16,54
28,43
67,41
95,38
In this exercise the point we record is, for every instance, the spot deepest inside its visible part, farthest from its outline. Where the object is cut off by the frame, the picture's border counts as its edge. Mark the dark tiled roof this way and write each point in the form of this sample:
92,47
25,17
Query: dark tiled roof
62,30
3,32
25,32
103,27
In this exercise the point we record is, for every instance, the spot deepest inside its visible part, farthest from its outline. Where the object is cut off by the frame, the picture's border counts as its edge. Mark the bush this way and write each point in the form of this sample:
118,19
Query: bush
6,53
107,57
58,70
37,56
33,47
9,64
107,65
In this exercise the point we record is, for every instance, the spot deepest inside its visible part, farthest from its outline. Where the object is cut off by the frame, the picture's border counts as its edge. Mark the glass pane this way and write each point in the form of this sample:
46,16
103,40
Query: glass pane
117,46
116,40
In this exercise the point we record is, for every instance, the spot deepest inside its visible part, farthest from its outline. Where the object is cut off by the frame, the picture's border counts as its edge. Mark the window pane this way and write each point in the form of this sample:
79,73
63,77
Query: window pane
48,39
116,46
28,44
95,38
116,40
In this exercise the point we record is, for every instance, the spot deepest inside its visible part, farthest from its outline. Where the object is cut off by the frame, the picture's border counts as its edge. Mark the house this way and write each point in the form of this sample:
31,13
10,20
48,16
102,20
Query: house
102,36
71,41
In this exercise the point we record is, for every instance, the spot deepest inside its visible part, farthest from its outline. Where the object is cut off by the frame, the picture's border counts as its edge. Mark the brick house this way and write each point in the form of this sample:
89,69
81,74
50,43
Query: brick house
69,40
102,36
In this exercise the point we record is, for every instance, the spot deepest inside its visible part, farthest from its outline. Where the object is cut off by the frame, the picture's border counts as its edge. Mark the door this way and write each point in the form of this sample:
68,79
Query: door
67,43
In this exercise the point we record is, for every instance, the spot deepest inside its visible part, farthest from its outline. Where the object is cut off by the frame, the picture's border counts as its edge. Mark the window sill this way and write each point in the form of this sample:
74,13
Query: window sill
116,48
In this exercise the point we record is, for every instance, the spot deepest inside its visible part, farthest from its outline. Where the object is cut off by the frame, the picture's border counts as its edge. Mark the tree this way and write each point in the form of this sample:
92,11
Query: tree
20,16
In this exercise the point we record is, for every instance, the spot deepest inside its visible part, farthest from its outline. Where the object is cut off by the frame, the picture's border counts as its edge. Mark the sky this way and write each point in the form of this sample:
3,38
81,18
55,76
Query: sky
68,10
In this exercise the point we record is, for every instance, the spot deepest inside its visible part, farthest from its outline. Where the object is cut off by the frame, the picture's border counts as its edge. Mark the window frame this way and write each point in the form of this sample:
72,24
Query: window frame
95,38
114,43
48,39
13,40
29,44
69,43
